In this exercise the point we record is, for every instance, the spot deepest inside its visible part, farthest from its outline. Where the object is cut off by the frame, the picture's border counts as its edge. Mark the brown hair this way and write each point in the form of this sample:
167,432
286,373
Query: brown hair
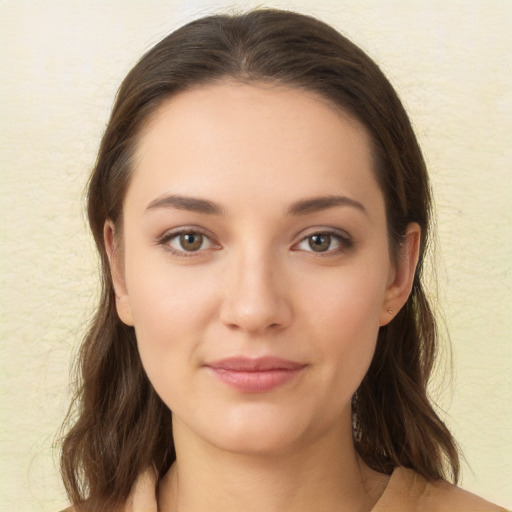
122,425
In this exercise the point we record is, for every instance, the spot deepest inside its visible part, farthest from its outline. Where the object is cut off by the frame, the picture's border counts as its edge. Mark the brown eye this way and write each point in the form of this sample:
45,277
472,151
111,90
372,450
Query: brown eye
191,241
325,243
320,242
187,243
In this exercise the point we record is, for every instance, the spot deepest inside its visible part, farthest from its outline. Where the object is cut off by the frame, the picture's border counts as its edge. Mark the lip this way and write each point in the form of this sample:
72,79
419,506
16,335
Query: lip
258,375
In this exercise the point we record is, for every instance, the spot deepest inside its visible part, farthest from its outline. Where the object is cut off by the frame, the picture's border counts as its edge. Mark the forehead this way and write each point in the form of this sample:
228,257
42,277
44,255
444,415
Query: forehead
252,139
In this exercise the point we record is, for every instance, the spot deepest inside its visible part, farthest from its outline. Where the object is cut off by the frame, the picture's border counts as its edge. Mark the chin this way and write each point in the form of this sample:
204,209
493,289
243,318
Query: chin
258,429
257,442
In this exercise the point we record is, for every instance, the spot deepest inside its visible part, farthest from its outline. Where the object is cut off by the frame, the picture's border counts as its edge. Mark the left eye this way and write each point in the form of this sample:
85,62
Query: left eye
190,241
321,242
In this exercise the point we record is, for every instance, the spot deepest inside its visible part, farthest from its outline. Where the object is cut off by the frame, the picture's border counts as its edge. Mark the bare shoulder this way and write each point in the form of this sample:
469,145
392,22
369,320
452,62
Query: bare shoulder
449,497
407,490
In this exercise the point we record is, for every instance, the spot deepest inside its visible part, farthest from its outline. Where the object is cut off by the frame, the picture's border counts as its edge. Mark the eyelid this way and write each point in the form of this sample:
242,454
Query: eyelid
169,235
345,240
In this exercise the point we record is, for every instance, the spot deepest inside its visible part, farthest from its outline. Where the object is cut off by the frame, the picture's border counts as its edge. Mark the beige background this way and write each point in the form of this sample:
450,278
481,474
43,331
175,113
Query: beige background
61,62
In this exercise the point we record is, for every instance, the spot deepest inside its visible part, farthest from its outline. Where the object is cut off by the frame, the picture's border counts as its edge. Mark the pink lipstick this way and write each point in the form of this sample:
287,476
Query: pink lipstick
255,375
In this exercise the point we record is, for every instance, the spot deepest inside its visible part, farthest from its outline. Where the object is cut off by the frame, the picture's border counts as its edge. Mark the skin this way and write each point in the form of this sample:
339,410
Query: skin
255,287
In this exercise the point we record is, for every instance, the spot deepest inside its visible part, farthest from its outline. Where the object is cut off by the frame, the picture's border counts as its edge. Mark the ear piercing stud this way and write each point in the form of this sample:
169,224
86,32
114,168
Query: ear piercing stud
390,311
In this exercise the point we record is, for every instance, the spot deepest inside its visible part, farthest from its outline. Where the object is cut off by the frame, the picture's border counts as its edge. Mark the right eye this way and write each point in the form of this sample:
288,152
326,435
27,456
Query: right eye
185,243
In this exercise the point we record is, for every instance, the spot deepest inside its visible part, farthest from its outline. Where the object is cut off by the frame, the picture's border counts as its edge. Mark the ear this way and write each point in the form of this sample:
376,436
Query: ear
401,279
116,261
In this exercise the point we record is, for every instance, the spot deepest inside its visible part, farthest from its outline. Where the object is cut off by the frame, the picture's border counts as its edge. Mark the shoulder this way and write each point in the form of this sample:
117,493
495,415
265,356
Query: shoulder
407,490
453,498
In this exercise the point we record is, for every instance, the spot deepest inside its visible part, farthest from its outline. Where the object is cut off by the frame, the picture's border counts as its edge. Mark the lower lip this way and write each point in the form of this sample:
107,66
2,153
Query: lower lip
256,381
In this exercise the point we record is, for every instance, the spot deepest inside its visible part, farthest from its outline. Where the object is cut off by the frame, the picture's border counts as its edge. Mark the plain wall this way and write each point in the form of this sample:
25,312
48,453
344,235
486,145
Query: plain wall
61,63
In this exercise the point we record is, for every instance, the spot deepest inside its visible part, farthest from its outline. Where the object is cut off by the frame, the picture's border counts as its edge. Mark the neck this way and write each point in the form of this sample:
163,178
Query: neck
325,475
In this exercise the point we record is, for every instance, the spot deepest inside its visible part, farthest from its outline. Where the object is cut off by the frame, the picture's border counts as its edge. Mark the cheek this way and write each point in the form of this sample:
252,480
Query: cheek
344,313
171,311
168,298
348,301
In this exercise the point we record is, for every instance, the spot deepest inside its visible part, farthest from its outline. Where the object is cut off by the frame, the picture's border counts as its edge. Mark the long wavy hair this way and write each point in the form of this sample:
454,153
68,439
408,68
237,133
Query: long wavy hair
117,424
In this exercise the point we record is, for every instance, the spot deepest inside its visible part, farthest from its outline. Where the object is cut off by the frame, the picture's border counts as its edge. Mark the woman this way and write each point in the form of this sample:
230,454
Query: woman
261,208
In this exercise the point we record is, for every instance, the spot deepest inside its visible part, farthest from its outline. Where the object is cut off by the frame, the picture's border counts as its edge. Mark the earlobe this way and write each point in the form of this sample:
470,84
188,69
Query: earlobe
115,258
400,287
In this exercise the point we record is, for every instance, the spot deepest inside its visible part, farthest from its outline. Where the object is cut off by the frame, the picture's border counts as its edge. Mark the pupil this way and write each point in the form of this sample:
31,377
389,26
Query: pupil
191,241
319,243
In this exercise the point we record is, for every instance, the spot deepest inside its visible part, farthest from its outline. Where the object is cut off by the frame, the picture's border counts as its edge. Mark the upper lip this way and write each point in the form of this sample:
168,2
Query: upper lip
260,364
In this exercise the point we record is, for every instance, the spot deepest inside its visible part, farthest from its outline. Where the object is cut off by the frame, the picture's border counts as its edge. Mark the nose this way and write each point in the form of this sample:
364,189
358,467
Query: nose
255,299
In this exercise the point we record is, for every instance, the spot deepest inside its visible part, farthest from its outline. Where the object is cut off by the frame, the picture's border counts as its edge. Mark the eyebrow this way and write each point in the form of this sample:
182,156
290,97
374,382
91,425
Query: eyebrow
301,207
193,204
316,204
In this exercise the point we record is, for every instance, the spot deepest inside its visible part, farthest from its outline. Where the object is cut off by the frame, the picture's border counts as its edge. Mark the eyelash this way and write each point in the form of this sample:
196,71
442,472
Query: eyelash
343,240
170,236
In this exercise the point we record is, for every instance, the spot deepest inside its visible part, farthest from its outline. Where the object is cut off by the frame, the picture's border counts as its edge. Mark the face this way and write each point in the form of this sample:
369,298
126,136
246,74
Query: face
255,264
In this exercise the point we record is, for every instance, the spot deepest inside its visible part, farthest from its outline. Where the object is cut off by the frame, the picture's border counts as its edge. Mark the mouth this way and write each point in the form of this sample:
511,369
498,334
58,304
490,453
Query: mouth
255,375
